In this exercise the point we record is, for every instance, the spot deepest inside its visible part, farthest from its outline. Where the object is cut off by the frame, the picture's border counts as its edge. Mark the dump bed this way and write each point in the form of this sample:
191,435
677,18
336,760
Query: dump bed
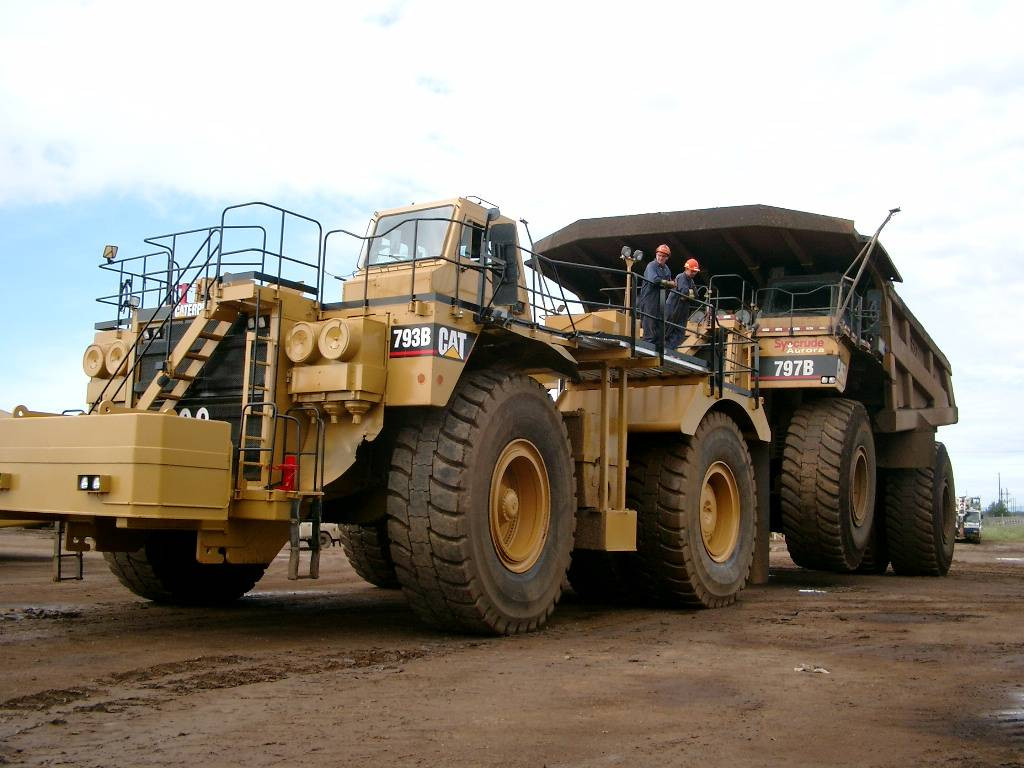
763,246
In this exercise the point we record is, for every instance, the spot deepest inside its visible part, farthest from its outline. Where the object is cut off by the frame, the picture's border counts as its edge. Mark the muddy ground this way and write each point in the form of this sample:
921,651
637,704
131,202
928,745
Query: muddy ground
920,672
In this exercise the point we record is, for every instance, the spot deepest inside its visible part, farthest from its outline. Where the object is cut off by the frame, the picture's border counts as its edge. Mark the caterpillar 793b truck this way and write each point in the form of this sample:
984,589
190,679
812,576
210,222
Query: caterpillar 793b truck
480,417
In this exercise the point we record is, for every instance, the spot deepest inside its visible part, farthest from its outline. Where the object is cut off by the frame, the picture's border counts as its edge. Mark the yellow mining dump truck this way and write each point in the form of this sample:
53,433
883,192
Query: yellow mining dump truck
854,388
232,398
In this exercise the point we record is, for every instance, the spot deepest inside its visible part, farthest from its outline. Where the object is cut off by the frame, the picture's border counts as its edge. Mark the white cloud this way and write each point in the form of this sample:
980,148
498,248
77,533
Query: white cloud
557,111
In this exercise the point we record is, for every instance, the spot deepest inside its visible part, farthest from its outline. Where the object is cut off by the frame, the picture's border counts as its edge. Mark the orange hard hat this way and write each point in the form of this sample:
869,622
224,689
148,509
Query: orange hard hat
663,249
692,264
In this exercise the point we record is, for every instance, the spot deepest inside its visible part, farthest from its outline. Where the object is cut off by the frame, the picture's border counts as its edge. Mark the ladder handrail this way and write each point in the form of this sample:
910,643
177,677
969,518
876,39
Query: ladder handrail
167,303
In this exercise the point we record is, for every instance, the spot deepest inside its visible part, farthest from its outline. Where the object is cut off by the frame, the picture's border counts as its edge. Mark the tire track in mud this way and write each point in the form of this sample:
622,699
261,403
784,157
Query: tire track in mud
154,685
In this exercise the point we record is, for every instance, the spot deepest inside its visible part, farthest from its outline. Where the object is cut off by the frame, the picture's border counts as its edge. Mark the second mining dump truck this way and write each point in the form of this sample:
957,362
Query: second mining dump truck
233,397
854,387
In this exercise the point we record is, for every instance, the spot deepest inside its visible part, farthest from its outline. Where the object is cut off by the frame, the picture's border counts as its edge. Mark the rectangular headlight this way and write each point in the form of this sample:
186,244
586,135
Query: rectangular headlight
94,483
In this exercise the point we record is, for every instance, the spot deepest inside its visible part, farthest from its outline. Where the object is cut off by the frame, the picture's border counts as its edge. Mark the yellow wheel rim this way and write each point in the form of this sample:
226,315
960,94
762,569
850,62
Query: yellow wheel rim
520,506
860,487
719,512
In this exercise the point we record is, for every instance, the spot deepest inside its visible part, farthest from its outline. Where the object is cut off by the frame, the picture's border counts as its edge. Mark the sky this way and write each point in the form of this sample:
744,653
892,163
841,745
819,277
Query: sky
120,120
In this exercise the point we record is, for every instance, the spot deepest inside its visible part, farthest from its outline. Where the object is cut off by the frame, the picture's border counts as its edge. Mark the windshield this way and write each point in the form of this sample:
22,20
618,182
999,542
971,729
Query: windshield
974,516
404,236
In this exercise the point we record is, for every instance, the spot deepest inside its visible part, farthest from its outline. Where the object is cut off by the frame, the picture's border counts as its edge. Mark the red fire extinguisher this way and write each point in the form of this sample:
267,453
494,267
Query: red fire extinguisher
288,471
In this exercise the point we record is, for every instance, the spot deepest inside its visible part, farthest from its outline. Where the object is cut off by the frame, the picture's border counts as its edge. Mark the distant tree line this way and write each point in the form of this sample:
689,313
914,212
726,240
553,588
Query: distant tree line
997,509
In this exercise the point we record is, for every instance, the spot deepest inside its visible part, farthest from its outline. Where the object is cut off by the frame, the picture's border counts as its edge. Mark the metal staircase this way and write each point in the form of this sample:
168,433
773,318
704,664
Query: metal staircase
186,363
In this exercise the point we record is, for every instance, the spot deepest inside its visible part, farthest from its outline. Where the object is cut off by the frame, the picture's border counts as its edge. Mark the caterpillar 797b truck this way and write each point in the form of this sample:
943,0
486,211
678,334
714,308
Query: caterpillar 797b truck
854,387
479,416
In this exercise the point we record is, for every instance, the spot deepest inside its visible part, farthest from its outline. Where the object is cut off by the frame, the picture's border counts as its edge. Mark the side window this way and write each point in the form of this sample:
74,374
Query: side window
469,242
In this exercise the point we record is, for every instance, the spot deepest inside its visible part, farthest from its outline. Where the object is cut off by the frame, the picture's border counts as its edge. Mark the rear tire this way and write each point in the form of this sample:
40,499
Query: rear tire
369,553
696,516
828,485
482,505
920,513
165,570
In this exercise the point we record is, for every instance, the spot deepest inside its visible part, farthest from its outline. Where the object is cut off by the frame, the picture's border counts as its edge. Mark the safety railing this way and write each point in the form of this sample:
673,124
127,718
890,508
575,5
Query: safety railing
779,307
495,264
297,262
681,324
155,328
153,285
258,450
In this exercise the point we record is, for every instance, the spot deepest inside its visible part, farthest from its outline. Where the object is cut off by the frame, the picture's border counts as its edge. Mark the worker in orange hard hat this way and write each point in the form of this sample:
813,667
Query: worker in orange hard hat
657,275
677,308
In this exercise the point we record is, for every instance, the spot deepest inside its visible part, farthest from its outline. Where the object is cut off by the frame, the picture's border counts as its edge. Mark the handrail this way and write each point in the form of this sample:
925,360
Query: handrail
134,355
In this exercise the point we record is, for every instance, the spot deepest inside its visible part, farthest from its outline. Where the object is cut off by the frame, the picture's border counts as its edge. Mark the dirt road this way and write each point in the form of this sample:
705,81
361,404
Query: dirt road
920,672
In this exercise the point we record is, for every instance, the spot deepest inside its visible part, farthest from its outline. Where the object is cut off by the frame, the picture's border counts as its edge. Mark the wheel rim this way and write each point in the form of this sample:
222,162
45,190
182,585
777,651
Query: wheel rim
719,512
860,487
520,506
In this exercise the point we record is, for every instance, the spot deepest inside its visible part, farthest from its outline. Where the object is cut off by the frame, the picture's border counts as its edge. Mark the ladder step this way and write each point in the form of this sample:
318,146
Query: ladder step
182,376
169,396
196,356
210,336
262,362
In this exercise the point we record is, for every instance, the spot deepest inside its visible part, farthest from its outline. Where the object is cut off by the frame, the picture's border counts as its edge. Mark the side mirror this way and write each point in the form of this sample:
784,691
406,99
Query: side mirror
110,252
493,214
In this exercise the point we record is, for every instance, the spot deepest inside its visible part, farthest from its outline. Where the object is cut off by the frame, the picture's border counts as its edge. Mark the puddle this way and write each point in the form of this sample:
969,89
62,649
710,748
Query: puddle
813,591
1011,559
1011,721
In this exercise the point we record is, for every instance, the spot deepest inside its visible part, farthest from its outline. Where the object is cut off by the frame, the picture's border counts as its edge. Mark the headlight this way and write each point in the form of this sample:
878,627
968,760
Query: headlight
300,343
94,362
116,353
336,340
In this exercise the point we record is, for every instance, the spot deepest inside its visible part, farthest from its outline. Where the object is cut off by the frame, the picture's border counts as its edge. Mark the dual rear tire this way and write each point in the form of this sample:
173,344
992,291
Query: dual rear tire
696,506
920,515
840,513
368,550
696,521
164,569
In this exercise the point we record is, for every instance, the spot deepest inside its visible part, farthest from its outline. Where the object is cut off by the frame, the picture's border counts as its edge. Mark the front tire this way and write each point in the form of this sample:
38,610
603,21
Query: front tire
828,485
696,516
481,507
165,570
920,513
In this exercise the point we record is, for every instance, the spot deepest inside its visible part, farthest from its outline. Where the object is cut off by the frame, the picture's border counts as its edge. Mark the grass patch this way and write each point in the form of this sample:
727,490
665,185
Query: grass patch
1002,532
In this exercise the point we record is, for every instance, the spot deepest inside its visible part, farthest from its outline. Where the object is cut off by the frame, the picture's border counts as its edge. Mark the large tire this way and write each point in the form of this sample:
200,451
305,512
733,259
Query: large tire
481,507
696,516
920,514
165,570
828,485
369,553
